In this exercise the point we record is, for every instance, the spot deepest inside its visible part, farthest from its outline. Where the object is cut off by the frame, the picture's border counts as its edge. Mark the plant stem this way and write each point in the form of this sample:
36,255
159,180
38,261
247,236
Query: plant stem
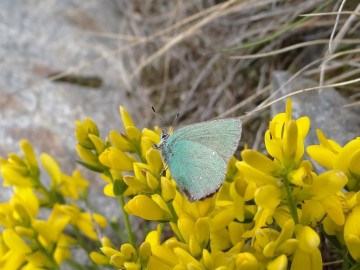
291,202
126,219
46,253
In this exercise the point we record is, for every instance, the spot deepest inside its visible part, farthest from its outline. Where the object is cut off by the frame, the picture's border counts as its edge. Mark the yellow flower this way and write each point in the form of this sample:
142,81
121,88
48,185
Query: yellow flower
73,186
257,167
127,257
162,258
68,186
195,209
247,261
285,138
20,210
13,250
168,189
325,153
304,260
115,159
82,132
145,178
307,255
309,240
278,180
30,158
352,233
62,251
82,220
18,171
146,208
131,131
324,189
279,263
267,198
346,159
89,158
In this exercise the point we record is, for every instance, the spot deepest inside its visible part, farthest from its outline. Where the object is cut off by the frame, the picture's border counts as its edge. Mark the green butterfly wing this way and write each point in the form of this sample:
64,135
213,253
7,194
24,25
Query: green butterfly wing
198,170
221,135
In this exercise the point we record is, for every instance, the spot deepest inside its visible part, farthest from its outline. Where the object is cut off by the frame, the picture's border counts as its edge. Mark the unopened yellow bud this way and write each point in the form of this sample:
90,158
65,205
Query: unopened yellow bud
187,259
116,159
117,261
126,118
134,134
106,242
99,258
247,261
168,189
83,129
291,141
88,157
269,250
52,168
22,213
202,229
194,247
309,240
128,251
207,259
145,251
132,266
24,231
97,142
146,208
108,251
152,181
30,157
280,263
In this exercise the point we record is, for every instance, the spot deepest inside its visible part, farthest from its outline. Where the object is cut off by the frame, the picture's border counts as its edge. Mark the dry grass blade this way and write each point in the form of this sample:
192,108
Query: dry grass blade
293,47
304,91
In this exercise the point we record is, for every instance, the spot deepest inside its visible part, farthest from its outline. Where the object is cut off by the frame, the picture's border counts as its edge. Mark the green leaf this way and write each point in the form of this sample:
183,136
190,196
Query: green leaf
119,187
90,167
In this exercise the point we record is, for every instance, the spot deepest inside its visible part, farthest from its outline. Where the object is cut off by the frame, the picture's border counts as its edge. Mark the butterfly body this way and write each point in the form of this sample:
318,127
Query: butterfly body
197,155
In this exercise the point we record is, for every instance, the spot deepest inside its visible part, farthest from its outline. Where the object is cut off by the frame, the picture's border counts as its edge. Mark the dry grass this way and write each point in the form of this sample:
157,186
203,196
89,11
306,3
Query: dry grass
210,58
206,59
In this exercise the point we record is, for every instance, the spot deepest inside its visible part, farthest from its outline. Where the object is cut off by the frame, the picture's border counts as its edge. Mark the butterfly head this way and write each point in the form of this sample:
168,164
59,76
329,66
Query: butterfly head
165,133
163,137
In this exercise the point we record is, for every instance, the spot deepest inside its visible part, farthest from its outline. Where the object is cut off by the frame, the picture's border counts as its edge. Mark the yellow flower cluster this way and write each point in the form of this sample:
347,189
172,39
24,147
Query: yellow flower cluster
31,237
272,212
268,214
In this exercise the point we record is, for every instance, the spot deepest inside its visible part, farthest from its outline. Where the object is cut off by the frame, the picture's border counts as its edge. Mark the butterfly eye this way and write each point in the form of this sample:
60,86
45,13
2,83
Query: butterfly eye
164,135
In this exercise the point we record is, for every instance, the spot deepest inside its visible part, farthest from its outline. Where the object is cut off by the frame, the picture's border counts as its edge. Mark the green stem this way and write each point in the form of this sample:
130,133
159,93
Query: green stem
126,219
46,253
291,202
173,213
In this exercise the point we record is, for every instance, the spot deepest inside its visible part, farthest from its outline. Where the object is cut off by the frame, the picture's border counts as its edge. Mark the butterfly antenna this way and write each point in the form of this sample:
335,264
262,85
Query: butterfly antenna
163,126
176,118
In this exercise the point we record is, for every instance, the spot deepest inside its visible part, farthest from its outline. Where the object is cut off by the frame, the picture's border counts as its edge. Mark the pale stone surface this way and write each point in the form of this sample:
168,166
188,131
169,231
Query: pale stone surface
38,38
42,37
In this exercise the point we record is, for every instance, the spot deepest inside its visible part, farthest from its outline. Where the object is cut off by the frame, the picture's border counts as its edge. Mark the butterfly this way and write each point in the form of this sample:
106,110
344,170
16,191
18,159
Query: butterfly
197,155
